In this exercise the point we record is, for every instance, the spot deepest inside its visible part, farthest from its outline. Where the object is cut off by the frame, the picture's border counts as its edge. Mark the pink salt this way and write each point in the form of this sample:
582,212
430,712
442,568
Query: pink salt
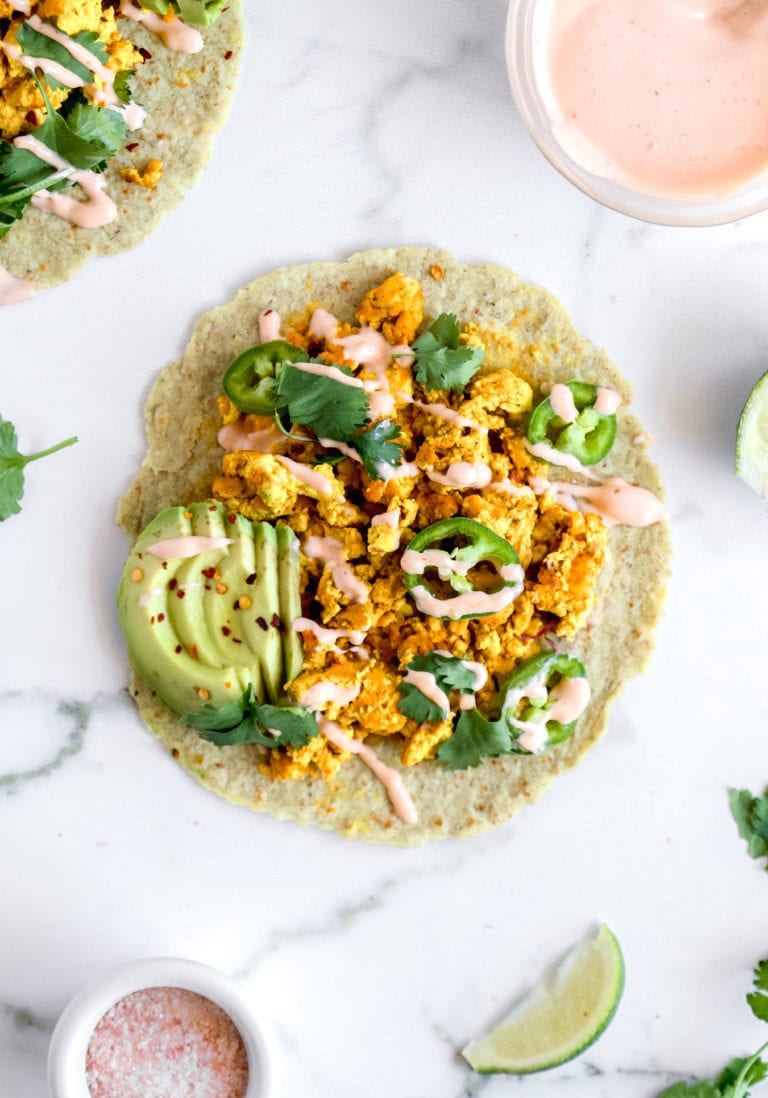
165,1042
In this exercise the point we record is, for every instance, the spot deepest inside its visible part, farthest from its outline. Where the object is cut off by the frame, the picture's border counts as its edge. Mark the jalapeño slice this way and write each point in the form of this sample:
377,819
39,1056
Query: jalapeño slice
591,435
251,380
533,690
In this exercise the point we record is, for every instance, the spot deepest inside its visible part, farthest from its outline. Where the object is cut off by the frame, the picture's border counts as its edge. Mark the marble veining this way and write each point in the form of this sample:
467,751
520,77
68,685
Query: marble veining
355,126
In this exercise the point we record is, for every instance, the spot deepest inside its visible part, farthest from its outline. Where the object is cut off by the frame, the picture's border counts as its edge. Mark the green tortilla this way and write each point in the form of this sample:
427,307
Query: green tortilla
536,338
186,98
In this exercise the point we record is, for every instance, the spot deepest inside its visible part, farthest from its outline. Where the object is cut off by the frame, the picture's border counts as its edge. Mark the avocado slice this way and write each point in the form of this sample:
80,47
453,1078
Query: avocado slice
203,626
288,582
146,591
262,624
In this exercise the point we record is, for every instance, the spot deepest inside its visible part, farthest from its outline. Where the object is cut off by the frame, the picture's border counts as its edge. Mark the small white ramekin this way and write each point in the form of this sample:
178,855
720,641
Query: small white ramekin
69,1043
524,46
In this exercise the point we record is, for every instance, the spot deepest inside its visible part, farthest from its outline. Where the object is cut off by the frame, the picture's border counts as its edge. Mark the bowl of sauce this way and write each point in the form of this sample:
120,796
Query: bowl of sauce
162,1027
658,110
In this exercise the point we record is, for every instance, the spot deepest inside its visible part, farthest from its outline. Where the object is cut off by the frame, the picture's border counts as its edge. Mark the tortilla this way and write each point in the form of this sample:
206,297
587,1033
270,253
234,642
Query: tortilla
186,97
523,326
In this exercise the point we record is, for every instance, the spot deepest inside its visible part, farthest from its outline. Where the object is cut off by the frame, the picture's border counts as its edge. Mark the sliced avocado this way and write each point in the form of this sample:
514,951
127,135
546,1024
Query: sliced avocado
154,646
203,626
288,579
266,610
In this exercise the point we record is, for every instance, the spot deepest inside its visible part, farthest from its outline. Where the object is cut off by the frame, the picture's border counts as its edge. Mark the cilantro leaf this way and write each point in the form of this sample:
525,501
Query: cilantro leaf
449,672
441,360
35,44
758,999
740,1074
197,13
475,738
331,408
122,87
247,721
377,449
12,467
751,816
703,1089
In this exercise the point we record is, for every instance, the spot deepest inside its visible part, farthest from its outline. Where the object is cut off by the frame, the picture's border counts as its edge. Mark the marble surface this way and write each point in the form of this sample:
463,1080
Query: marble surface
355,125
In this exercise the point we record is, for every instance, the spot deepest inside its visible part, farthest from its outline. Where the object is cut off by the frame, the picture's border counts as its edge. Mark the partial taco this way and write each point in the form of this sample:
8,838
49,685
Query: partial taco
397,545
108,110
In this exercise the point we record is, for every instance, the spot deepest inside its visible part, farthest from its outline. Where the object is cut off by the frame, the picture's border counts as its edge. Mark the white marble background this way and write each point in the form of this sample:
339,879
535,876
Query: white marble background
362,123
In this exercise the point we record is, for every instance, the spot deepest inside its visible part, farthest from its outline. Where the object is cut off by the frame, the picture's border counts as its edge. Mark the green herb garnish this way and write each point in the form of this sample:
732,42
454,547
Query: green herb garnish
247,721
331,408
12,467
739,1075
450,673
86,138
35,44
751,816
474,739
377,448
442,362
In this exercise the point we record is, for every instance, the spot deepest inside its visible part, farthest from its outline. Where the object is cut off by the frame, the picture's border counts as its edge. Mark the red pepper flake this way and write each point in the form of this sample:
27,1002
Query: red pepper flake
175,752
165,564
192,651
213,507
145,53
180,593
232,518
172,584
152,620
161,617
276,623
228,55
225,630
209,573
345,284
236,641
262,624
132,147
251,579
178,649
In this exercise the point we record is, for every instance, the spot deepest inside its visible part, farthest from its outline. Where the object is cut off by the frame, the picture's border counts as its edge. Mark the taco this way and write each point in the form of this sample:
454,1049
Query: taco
397,546
107,115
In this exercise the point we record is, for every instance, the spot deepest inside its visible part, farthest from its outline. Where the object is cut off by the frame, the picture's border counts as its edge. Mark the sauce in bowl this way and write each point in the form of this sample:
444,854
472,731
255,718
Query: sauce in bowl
667,95
658,109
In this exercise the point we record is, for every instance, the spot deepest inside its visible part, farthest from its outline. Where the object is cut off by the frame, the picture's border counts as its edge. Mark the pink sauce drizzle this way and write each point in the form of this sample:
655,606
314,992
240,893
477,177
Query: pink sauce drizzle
471,602
269,325
615,501
13,290
327,693
174,34
671,97
563,404
399,796
327,636
77,51
607,402
97,210
544,452
313,480
426,683
415,562
463,474
53,69
232,438
331,552
189,545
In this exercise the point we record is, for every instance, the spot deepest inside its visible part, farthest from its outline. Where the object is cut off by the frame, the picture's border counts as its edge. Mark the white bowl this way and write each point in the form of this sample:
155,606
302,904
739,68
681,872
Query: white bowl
69,1043
524,46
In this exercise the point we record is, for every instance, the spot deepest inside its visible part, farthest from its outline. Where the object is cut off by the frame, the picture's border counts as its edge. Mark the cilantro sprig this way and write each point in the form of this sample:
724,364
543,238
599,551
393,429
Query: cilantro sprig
329,407
247,721
740,1074
751,816
442,362
87,137
12,465
450,673
35,44
197,13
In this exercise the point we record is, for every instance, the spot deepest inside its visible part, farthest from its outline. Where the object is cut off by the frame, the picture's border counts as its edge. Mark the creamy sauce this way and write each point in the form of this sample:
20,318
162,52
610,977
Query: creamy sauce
507,486
563,404
414,563
269,325
462,474
544,452
310,478
97,210
442,411
399,797
426,683
479,670
329,551
232,438
188,545
388,518
327,693
53,69
13,289
75,49
342,447
174,34
607,401
615,501
668,96
328,636
470,602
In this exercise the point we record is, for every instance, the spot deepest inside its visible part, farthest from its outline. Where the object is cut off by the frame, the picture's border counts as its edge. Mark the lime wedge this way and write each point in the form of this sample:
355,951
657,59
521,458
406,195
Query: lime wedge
752,440
557,1021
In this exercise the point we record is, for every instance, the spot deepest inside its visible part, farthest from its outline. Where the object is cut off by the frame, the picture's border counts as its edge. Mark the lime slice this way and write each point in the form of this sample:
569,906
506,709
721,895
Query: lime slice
557,1021
752,440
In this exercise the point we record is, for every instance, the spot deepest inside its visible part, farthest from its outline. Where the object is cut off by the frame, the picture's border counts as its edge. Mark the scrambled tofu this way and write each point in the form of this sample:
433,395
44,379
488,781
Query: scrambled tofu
21,103
149,178
357,587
